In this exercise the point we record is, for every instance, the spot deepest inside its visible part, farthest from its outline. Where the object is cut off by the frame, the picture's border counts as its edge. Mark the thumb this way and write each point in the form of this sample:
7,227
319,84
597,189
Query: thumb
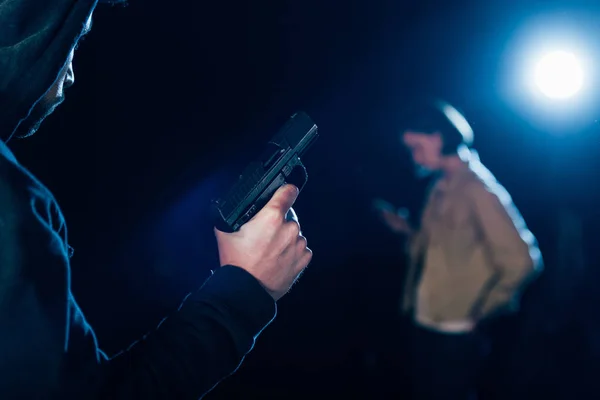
284,198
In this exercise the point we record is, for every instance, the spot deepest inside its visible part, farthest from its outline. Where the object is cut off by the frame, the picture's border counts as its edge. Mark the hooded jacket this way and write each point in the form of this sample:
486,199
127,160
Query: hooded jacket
47,349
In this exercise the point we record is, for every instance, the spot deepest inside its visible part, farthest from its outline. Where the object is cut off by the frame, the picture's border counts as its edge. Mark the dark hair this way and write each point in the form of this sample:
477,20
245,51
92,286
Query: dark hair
437,116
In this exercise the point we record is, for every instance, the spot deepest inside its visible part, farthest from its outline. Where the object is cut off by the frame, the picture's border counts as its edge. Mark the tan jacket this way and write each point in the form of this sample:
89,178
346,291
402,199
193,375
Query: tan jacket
473,252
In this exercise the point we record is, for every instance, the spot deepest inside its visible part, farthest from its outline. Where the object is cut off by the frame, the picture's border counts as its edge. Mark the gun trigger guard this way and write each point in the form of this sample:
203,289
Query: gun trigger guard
298,176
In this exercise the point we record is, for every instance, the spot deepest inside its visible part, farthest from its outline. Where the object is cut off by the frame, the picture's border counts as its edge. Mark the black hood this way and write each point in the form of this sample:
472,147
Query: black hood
36,37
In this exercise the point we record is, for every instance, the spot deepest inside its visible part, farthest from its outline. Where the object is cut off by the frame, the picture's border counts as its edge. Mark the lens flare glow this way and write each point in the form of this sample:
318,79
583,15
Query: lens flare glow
559,75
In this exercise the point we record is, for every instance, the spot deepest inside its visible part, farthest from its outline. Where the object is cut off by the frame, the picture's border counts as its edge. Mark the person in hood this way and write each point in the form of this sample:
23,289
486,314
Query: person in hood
47,349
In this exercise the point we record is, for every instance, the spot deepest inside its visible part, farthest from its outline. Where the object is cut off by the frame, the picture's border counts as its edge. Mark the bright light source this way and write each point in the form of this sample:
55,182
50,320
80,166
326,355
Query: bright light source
559,75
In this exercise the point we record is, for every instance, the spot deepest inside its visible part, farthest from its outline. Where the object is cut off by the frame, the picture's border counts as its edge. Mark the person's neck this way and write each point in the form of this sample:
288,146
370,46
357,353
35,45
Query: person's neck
455,163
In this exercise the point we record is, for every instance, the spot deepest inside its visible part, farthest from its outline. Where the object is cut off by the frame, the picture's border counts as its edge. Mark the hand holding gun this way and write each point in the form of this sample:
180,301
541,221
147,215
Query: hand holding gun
256,228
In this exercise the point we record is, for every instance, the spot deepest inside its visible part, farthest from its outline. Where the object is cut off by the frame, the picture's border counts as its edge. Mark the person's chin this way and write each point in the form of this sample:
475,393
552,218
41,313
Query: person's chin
30,125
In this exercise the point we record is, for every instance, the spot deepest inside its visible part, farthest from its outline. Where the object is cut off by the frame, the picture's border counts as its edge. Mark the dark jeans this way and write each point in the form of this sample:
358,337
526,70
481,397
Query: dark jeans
446,366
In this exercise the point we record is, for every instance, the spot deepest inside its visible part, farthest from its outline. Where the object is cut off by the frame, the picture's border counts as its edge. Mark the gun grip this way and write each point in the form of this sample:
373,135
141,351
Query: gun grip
218,219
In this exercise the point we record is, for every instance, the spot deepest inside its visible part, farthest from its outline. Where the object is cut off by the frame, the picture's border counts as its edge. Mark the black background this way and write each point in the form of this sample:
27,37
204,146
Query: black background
172,98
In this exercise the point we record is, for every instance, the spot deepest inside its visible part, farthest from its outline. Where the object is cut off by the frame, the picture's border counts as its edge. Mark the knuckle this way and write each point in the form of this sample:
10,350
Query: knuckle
302,242
272,216
293,228
308,255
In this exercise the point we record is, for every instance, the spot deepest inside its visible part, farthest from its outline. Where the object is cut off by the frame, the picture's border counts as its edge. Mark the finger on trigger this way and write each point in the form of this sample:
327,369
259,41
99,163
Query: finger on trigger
284,198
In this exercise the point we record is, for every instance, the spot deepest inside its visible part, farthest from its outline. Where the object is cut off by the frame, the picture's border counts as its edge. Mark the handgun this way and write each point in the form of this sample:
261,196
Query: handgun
278,164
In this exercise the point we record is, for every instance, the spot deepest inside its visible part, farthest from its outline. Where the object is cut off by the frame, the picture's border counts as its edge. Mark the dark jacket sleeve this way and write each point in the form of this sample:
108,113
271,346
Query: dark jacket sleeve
196,347
49,351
